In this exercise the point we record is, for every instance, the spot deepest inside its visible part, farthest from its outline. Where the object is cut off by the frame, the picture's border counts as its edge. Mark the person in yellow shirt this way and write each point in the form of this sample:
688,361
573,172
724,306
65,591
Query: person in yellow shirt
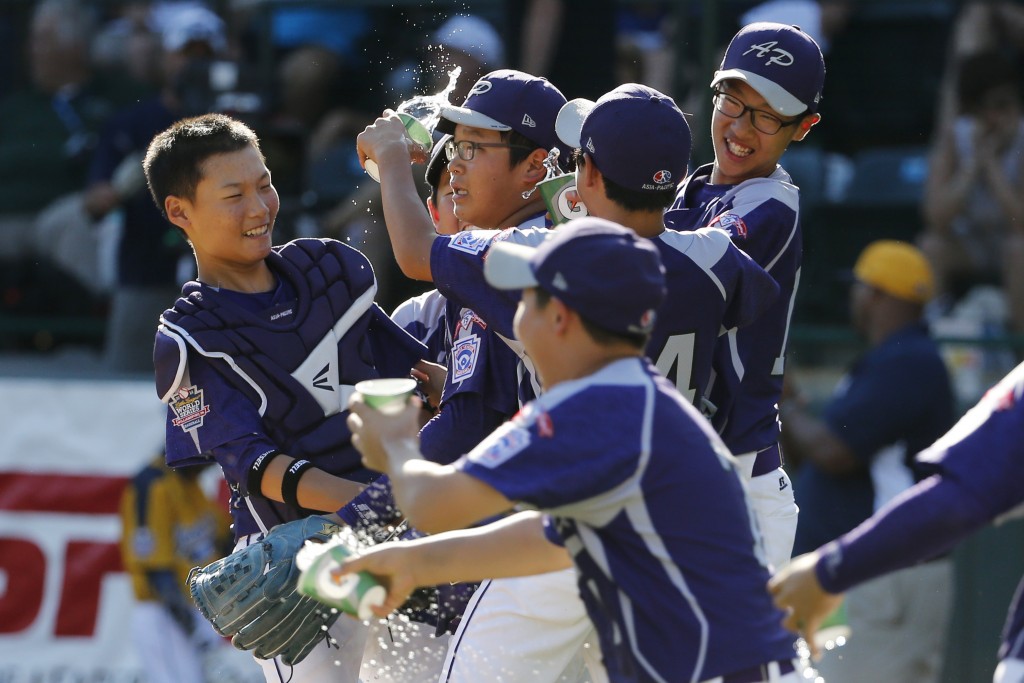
169,526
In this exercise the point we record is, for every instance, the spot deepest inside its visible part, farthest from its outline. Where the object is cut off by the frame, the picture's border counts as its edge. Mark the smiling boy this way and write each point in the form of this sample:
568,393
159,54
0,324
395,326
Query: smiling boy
765,96
257,359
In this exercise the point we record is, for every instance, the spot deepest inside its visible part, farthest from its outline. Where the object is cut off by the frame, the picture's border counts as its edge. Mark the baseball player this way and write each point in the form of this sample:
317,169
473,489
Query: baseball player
502,135
766,95
169,525
599,450
977,469
644,139
422,316
631,145
429,318
257,359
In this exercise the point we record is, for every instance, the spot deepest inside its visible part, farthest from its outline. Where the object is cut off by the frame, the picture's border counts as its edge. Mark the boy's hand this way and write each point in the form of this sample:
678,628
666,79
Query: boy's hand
795,588
431,378
393,566
385,141
373,431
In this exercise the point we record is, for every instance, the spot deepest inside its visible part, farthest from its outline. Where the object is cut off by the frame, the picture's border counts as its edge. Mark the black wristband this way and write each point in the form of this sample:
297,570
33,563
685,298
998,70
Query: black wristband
254,482
290,482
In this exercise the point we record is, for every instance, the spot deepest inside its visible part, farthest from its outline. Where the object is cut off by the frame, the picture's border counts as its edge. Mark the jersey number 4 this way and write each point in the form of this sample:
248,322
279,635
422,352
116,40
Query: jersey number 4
678,354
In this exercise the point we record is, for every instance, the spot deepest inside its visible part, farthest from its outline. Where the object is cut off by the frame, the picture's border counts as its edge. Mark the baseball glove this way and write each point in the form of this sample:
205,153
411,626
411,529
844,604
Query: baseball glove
251,594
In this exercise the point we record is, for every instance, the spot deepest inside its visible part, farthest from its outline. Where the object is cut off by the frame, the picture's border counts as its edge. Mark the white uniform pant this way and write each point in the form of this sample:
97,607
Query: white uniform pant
531,628
167,654
771,675
1009,671
771,498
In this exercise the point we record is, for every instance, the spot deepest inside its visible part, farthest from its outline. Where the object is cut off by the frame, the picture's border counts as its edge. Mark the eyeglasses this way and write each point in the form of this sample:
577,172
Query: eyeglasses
769,124
466,149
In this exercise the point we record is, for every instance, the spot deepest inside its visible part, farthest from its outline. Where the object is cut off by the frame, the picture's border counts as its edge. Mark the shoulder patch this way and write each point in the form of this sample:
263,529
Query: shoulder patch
731,223
464,356
470,241
505,443
189,408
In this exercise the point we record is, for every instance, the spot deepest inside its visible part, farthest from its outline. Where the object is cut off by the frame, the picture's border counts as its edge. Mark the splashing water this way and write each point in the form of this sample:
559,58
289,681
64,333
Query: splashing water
427,108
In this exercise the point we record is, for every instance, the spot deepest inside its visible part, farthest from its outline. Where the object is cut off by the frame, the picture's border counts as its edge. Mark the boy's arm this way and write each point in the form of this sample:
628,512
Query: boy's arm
514,546
433,497
317,489
408,223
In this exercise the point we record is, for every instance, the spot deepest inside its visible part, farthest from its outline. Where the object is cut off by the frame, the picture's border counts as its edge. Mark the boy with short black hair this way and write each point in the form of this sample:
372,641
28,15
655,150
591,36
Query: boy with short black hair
257,359
765,95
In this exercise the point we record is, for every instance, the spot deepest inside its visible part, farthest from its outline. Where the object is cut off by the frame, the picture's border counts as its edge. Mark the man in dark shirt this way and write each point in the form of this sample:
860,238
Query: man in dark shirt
893,402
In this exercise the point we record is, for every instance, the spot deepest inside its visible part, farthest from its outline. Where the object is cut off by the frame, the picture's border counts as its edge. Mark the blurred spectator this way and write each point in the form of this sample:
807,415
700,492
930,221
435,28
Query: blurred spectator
973,201
148,248
569,42
127,46
645,47
820,19
979,27
169,525
47,139
894,401
355,215
987,26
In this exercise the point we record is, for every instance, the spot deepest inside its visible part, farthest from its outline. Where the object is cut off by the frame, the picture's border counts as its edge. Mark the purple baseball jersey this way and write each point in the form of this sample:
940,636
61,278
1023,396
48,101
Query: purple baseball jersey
712,286
645,497
423,317
762,215
246,376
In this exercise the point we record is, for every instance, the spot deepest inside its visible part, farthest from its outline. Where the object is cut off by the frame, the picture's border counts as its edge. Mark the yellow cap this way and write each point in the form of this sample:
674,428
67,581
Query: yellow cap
898,269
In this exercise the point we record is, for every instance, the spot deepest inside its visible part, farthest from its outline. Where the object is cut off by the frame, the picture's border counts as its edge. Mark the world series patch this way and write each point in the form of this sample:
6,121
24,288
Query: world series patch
189,408
464,357
470,242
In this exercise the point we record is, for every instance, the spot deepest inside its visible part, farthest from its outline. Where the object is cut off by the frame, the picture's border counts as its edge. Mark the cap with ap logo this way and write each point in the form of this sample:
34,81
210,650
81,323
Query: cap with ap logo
507,99
780,62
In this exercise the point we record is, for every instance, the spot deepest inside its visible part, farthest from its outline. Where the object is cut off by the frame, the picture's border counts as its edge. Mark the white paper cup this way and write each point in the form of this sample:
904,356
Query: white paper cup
389,395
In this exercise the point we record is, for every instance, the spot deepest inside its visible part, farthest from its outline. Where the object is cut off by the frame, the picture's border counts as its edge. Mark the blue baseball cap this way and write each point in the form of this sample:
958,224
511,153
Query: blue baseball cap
438,162
507,99
598,268
635,135
779,61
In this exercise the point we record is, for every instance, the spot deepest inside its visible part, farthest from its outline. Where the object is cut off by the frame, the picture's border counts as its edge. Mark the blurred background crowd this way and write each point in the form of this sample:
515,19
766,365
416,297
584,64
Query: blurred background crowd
920,141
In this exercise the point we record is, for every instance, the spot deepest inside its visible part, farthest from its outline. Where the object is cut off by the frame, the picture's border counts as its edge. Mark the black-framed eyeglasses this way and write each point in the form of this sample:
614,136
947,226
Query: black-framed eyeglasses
466,149
767,123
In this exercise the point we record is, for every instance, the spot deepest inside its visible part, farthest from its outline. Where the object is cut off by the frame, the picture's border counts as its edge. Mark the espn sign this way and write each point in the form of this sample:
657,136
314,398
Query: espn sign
52,573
